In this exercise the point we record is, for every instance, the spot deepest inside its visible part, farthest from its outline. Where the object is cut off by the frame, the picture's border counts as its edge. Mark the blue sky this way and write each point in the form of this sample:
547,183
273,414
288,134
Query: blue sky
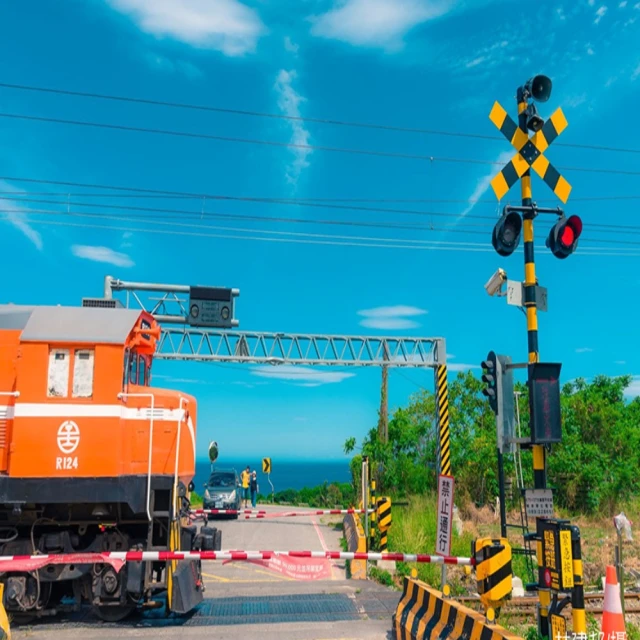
428,64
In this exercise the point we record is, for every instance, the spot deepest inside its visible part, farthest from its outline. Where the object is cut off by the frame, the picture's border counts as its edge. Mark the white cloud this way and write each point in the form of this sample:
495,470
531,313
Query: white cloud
290,46
461,366
633,390
390,317
621,362
483,185
289,102
376,23
590,51
636,72
16,216
228,26
575,101
600,14
102,254
302,375
162,63
623,4
584,350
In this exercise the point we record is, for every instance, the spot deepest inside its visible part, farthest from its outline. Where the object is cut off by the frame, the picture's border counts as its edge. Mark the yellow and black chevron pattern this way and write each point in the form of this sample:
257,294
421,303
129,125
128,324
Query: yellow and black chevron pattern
493,570
529,153
383,512
442,399
423,614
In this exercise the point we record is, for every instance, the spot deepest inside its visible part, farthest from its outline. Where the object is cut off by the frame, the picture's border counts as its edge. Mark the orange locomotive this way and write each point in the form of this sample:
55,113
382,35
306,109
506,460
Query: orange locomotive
93,459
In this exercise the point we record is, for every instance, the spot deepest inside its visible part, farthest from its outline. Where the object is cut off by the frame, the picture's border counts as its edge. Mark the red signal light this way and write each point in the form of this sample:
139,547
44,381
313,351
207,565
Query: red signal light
567,236
563,237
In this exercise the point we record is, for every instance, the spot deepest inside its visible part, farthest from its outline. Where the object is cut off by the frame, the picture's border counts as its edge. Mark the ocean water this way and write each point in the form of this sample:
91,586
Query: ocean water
284,475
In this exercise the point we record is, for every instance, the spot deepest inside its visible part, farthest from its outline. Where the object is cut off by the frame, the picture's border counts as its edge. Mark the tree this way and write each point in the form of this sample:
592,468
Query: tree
594,467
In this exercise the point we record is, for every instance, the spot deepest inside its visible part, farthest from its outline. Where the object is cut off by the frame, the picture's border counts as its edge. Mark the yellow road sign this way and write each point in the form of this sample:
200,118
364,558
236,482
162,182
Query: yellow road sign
529,153
558,627
266,465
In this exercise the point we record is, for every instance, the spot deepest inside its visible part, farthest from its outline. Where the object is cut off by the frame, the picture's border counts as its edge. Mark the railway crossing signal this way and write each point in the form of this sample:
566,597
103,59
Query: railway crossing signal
563,237
506,233
529,151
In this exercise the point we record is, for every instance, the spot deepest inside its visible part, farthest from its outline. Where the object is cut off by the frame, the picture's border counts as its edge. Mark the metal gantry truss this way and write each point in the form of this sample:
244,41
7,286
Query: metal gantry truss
180,341
292,348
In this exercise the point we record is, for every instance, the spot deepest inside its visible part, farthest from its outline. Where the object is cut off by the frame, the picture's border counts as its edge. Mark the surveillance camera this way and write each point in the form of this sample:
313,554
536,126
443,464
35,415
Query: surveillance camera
495,282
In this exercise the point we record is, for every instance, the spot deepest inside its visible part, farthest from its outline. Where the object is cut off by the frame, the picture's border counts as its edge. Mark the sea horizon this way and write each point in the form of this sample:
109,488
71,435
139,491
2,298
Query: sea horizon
285,473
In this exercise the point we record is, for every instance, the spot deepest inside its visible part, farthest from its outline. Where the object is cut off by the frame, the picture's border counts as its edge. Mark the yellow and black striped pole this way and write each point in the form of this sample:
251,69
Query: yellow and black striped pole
442,403
372,505
577,593
539,471
383,509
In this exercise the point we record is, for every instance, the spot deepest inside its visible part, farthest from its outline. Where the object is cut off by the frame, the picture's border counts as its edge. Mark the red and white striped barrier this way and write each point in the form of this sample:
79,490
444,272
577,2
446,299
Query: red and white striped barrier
223,512
118,558
254,513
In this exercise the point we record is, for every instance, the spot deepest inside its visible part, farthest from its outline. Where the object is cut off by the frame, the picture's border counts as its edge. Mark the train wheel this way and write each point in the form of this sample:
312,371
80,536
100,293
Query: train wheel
113,614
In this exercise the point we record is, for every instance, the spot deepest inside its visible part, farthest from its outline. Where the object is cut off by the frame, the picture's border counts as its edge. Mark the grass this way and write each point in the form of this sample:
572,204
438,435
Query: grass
413,530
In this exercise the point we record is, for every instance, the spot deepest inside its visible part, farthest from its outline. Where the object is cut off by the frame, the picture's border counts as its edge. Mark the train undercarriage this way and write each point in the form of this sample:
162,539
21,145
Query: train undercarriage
65,517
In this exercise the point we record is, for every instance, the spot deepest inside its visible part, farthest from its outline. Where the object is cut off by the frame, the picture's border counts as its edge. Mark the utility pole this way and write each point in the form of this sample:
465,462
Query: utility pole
383,420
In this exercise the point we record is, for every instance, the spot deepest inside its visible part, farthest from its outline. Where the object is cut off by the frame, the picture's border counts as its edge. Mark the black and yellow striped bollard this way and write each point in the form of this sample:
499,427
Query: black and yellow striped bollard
383,516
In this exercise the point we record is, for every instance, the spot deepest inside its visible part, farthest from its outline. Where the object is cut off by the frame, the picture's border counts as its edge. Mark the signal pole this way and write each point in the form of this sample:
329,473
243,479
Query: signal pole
529,290
539,462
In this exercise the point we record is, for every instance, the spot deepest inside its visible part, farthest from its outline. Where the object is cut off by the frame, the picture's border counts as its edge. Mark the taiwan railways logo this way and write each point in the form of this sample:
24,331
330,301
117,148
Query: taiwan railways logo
68,437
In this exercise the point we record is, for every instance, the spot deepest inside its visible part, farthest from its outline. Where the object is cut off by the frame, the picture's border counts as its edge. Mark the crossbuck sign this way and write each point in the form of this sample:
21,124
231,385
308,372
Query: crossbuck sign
445,515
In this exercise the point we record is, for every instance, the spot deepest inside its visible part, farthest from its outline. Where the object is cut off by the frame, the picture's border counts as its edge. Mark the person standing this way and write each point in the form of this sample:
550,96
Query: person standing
253,485
245,485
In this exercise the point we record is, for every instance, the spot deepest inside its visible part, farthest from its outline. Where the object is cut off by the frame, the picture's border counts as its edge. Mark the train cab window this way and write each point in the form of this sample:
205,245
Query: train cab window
133,368
142,371
58,378
83,373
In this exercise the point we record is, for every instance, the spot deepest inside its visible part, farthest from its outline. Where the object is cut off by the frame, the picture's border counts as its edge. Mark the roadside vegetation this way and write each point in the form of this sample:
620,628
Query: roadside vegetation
595,471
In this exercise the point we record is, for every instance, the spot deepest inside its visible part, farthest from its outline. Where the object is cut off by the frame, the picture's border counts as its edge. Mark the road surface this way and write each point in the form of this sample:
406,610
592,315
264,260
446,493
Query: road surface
283,599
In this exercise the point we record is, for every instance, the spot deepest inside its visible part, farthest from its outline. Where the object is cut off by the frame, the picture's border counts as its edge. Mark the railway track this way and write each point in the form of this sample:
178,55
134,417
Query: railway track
524,607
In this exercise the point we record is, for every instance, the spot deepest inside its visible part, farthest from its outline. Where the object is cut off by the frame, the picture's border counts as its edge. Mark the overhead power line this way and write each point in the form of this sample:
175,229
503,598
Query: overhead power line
180,214
281,116
291,145
333,237
217,197
302,201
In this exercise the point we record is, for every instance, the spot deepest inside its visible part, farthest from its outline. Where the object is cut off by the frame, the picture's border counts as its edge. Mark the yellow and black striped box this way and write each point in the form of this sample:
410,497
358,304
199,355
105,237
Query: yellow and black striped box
493,570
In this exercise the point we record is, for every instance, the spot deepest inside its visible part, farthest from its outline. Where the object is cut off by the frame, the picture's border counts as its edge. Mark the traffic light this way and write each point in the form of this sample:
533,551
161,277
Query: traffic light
506,233
498,376
563,237
490,378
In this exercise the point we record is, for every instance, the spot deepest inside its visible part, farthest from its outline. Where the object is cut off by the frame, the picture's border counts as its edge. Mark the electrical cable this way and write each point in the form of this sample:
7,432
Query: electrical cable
318,239
280,116
205,196
290,145
302,201
188,214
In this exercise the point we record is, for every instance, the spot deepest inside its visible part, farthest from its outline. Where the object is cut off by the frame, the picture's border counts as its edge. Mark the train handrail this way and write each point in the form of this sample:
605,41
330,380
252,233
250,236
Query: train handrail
181,415
121,396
